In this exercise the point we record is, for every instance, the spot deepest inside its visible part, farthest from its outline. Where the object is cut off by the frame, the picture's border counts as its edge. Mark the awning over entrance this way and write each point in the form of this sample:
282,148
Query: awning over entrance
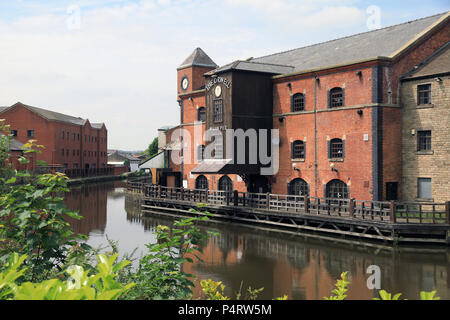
211,166
224,166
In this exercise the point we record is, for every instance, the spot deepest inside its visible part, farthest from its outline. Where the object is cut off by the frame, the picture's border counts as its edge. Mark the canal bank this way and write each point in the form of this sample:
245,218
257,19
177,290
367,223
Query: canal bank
101,179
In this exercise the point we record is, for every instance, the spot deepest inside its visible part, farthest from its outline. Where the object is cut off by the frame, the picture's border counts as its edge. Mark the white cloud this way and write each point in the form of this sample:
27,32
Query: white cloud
120,66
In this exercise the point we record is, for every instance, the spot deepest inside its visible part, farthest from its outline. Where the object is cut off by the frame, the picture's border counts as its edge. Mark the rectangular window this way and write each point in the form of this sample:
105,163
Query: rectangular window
62,152
424,188
424,94
75,165
62,135
424,140
14,133
218,110
30,133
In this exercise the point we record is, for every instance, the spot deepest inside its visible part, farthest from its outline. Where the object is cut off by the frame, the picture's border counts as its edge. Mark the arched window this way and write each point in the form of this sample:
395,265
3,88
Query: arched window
336,98
298,150
201,183
336,189
298,102
336,149
201,114
225,184
298,187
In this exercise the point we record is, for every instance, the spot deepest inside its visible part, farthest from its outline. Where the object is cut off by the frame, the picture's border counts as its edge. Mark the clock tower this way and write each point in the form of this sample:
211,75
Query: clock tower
191,71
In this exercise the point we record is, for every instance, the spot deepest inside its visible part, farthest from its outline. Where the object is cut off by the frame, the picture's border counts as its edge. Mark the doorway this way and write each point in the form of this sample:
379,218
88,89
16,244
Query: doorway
391,191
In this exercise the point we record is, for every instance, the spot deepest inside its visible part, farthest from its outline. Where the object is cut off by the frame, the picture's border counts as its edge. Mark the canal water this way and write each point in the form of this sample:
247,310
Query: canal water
303,266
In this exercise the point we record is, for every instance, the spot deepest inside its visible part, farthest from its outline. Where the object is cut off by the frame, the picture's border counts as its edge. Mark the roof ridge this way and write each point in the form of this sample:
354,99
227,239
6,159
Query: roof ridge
353,35
427,60
269,64
56,112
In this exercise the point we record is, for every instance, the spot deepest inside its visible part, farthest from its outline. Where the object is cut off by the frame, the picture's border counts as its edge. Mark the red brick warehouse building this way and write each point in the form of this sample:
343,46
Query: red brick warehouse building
336,105
71,143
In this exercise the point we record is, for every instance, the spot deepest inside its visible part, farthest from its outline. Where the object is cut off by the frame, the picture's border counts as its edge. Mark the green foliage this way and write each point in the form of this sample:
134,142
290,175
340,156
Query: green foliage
341,288
33,219
213,290
160,275
80,286
153,148
387,296
428,295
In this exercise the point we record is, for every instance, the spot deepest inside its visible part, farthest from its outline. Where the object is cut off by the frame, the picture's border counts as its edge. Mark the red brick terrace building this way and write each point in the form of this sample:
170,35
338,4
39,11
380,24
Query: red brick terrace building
71,143
336,105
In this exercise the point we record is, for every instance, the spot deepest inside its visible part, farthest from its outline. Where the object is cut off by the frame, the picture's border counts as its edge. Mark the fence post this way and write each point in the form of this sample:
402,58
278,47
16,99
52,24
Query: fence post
182,193
306,199
159,191
447,211
351,208
236,199
392,211
268,200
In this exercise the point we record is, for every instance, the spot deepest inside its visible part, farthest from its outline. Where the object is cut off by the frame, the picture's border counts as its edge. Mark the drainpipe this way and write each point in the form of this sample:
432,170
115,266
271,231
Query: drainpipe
181,103
316,80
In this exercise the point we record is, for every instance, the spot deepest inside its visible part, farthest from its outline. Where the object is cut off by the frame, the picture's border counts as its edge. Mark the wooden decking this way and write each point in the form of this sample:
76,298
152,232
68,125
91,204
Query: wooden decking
377,220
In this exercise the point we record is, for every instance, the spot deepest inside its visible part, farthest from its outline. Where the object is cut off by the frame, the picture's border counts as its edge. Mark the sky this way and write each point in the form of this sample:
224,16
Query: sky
114,61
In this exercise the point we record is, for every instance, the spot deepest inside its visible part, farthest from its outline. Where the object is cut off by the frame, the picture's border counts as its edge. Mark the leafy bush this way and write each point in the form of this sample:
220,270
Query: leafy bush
159,274
342,288
80,286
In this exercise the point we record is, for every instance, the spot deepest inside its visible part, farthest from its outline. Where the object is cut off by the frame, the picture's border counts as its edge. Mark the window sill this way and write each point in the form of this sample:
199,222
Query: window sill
298,160
428,152
424,200
425,106
336,160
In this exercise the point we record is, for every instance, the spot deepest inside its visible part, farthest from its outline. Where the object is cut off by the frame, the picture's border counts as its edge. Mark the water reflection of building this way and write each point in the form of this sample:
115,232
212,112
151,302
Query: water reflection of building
306,268
90,201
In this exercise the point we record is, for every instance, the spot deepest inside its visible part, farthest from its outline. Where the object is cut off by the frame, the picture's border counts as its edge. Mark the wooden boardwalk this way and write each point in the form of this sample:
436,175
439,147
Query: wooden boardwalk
378,220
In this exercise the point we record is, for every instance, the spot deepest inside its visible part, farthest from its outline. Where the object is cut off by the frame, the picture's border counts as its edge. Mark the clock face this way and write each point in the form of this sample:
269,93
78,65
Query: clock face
184,83
218,91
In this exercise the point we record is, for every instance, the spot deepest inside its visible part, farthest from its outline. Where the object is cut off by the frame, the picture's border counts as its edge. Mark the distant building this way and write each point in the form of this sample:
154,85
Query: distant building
16,152
161,166
425,95
74,144
120,159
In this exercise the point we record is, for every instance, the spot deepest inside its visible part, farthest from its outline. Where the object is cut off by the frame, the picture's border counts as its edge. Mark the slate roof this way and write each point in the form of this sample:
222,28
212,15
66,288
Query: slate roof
15,145
55,116
437,63
255,67
385,42
198,58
